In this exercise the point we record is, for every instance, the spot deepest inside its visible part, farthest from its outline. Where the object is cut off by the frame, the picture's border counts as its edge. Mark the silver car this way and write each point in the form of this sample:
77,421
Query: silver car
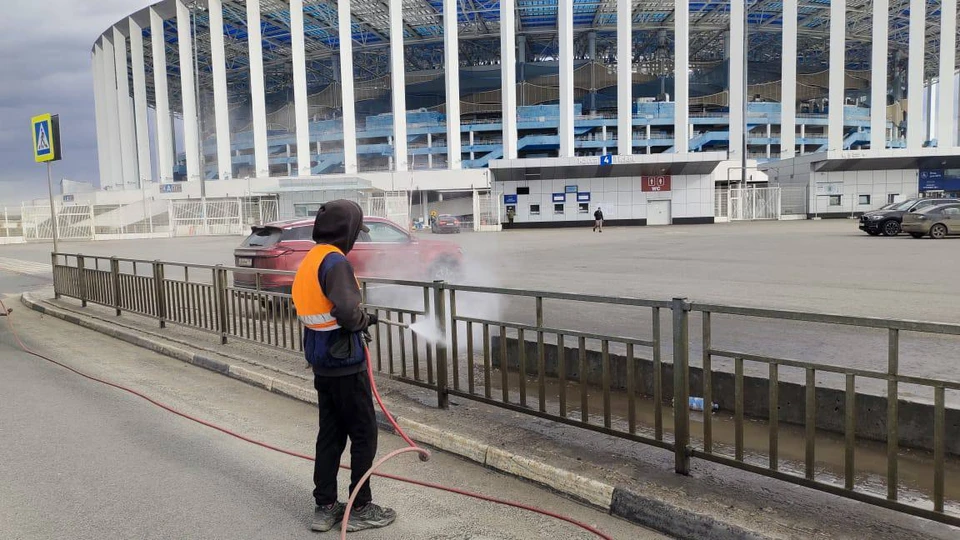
937,221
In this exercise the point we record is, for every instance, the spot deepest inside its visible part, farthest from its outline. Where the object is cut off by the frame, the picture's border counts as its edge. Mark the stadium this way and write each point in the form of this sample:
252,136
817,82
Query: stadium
658,112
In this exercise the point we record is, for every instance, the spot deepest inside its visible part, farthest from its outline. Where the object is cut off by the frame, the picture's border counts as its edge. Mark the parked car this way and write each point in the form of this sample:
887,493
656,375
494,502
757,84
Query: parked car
933,221
386,251
445,223
887,220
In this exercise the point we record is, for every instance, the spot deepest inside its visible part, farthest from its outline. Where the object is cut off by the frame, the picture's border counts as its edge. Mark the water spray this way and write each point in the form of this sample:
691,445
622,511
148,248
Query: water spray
426,328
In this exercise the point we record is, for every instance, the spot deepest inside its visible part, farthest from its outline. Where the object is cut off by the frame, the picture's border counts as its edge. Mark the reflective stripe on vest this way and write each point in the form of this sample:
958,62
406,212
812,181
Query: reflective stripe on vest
313,307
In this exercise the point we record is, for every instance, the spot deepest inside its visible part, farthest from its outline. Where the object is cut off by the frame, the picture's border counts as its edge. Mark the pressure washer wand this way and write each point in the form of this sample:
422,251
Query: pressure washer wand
394,323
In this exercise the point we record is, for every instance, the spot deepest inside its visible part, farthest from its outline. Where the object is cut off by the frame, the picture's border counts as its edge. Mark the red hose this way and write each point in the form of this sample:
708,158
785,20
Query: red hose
371,472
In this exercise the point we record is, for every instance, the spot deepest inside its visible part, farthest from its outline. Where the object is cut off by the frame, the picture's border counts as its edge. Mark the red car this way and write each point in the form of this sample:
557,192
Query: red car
387,251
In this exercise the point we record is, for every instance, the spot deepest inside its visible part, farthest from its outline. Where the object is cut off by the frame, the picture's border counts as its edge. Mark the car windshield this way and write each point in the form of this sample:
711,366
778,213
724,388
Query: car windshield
262,237
905,205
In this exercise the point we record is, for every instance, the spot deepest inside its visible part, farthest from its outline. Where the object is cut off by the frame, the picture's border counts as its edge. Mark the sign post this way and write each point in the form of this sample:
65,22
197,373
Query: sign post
46,149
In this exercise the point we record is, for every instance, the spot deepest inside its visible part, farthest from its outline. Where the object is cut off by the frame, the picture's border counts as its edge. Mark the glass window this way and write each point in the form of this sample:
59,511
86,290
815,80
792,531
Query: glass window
951,211
864,199
523,191
534,209
383,232
558,208
892,197
304,232
584,208
305,209
836,200
263,237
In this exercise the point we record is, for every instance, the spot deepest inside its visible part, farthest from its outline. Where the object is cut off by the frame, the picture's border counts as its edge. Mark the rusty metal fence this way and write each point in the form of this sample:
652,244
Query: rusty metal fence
568,376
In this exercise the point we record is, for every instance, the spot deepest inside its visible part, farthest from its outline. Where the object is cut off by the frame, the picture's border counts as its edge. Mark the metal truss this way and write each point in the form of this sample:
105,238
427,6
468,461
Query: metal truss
479,26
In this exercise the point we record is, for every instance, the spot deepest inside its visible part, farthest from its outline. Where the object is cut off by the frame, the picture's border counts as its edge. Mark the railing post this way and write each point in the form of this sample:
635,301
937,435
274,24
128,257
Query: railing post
439,310
81,281
221,287
115,282
160,292
681,386
54,258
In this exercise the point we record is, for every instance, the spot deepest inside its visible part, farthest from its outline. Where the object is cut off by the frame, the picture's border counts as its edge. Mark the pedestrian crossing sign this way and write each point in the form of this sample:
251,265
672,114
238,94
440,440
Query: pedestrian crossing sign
46,137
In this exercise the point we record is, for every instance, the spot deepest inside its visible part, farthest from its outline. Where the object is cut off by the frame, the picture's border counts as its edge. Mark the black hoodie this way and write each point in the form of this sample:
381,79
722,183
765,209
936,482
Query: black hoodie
339,223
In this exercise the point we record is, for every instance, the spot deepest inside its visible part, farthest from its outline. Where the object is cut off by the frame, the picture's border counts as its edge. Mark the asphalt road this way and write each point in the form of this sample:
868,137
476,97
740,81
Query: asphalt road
82,460
820,266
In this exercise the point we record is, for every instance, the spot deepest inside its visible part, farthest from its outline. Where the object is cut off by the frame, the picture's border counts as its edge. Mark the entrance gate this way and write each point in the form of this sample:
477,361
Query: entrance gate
753,203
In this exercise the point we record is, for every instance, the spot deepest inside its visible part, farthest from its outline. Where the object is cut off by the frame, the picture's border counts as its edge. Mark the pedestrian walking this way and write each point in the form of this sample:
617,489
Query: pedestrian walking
598,223
326,294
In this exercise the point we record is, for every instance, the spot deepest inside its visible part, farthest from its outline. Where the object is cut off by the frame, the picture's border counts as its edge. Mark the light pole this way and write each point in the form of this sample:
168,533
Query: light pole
194,9
746,96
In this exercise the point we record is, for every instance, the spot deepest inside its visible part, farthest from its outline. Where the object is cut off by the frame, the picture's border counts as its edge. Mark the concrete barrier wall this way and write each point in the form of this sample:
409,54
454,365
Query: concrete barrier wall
915,419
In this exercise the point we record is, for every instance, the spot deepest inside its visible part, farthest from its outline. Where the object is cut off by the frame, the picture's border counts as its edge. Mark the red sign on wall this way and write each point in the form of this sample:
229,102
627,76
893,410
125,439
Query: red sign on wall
655,183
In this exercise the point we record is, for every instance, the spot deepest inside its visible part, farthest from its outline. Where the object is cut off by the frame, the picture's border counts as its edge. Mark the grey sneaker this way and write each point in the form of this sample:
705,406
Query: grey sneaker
326,517
370,516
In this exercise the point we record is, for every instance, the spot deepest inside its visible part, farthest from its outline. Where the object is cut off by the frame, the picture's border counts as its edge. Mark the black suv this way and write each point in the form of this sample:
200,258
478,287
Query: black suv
887,220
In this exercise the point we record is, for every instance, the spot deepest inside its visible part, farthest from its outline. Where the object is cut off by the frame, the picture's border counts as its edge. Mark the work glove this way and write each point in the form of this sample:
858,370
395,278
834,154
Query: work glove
372,319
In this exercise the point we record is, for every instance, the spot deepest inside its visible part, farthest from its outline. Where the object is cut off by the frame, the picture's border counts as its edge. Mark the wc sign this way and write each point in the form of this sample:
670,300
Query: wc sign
655,183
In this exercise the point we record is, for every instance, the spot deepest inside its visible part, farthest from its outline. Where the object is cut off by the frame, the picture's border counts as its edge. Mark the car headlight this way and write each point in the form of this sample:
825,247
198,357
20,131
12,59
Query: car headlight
920,217
874,218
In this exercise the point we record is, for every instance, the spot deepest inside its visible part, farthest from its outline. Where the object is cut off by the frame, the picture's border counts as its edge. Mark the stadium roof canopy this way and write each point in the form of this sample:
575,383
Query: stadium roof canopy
479,26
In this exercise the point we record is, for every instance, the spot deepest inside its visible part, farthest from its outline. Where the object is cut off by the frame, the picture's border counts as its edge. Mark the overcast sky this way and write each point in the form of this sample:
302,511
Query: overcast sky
45,67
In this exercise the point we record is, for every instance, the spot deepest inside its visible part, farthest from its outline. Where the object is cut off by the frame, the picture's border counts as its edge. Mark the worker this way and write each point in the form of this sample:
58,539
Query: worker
326,294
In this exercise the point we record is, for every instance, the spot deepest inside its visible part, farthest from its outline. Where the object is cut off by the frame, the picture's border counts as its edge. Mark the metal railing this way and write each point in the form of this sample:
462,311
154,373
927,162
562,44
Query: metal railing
558,374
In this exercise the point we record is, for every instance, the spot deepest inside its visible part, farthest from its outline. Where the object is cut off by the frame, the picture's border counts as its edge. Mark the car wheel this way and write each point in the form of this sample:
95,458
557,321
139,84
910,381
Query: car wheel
891,228
916,235
938,231
445,270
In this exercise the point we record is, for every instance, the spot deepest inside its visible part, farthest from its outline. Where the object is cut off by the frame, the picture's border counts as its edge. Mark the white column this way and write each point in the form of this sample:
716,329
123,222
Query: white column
300,105
99,101
346,88
451,61
221,103
165,147
258,99
624,78
565,29
737,89
878,75
837,79
140,102
112,112
508,76
915,68
681,28
788,90
191,125
128,136
398,83
946,110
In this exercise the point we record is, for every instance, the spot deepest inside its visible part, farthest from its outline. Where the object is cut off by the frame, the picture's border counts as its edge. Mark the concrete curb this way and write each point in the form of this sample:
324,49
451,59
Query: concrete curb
622,502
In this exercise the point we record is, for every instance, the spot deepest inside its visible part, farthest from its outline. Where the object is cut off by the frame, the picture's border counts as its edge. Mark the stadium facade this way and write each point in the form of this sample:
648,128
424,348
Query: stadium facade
595,100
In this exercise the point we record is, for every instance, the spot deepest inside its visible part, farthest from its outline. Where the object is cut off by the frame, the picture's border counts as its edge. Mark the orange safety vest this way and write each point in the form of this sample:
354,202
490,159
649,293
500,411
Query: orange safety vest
313,307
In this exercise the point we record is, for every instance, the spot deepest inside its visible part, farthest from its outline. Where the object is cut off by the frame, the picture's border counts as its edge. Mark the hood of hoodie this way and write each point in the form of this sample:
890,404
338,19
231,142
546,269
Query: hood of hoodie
339,223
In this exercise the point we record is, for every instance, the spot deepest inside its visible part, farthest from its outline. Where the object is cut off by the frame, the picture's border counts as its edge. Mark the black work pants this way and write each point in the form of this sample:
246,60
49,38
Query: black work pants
346,410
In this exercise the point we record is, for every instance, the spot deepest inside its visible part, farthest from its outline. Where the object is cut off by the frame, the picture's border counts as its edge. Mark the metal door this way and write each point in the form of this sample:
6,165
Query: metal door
658,213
